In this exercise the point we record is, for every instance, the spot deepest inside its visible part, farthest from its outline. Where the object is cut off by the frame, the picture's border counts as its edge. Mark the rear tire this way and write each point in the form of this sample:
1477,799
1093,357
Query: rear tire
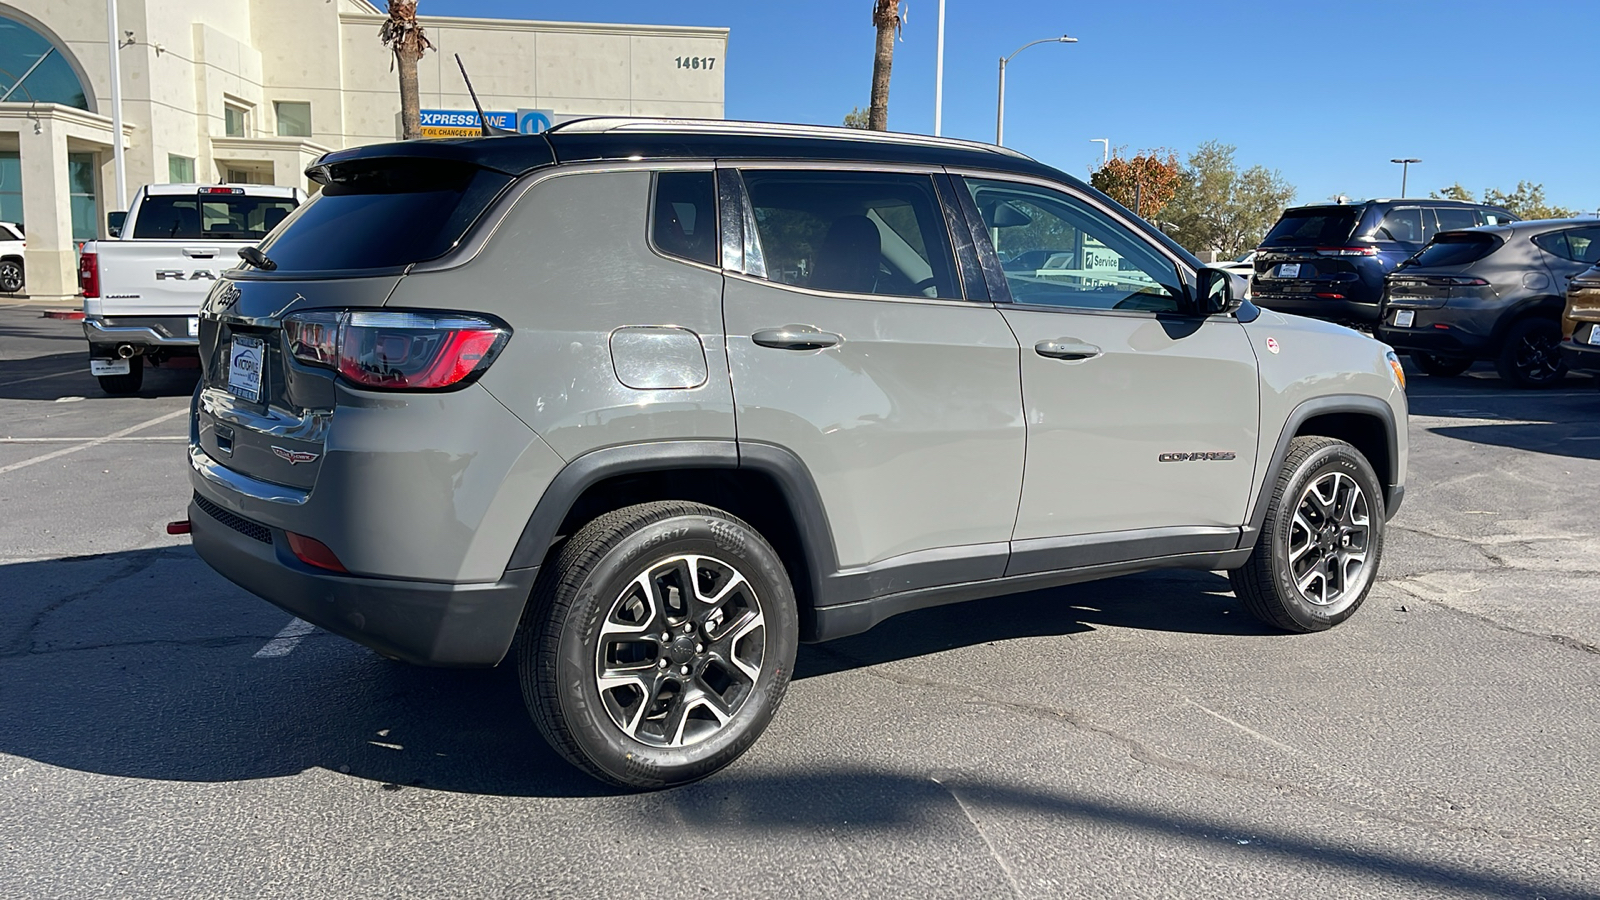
1530,358
11,279
1321,543
1440,365
658,644
119,385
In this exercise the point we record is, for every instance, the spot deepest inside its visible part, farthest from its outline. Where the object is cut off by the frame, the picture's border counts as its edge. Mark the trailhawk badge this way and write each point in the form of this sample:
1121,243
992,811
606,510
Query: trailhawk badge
294,456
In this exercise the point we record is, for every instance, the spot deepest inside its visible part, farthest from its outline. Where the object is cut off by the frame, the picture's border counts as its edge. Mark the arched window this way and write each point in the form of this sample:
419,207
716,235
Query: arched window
52,79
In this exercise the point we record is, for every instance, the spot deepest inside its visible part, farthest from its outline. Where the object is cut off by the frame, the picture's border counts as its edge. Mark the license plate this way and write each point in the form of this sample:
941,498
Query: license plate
1289,270
1404,317
194,326
109,367
1594,334
245,358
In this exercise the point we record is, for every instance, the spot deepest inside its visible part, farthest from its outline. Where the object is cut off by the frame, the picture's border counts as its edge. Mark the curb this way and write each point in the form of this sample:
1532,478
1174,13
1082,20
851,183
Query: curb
71,315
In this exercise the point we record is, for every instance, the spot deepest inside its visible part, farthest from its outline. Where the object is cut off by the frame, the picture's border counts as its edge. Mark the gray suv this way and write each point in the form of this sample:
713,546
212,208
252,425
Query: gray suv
643,404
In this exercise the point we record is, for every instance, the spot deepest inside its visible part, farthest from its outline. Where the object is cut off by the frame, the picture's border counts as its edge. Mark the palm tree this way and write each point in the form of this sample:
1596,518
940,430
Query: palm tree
404,36
886,18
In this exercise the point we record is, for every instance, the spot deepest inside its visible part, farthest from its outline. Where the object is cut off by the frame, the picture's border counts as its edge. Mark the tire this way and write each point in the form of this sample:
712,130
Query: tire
671,711
120,385
11,279
1530,357
1440,365
1324,483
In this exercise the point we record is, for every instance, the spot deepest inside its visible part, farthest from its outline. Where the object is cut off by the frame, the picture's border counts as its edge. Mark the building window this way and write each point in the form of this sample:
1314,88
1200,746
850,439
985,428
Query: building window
180,169
10,186
235,120
50,78
81,194
294,119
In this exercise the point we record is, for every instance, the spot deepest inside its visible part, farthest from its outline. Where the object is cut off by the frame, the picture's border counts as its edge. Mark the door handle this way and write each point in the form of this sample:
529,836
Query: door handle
1066,348
794,337
200,252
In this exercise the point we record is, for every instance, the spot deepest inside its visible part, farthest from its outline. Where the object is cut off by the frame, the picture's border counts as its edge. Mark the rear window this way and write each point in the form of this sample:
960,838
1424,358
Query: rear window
384,213
218,217
1314,225
1455,249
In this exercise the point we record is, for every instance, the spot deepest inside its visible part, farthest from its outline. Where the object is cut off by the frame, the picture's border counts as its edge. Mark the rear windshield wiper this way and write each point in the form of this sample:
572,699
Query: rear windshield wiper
255,257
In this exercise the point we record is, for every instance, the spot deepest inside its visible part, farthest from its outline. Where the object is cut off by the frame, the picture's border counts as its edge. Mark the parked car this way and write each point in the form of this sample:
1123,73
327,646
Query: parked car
1580,323
658,417
12,266
142,289
1492,293
1329,261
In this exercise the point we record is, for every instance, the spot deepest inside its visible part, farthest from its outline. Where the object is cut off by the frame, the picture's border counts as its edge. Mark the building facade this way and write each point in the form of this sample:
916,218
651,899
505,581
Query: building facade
254,90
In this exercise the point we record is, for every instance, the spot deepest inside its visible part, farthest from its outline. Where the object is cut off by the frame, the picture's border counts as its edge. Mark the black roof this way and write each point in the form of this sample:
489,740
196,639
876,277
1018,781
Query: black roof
587,140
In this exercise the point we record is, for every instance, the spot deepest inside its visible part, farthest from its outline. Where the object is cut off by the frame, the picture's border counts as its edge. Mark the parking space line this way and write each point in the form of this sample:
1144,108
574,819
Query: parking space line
40,377
1005,868
1244,728
287,639
95,442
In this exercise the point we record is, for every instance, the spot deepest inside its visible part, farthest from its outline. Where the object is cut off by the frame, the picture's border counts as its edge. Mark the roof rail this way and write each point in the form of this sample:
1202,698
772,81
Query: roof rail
604,124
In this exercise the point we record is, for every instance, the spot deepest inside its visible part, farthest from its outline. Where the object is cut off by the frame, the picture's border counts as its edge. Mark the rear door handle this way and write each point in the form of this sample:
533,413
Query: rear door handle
1066,348
200,252
794,337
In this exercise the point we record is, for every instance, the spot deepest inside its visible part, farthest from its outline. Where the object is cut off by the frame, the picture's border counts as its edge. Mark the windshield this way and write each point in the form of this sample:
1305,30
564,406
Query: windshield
221,217
1314,225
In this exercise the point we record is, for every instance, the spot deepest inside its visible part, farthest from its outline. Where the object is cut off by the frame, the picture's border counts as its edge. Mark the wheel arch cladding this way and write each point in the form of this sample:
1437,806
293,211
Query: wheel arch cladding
1366,423
764,485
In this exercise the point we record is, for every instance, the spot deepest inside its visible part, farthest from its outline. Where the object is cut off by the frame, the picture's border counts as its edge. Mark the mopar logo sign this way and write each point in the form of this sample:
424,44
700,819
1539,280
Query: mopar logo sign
533,121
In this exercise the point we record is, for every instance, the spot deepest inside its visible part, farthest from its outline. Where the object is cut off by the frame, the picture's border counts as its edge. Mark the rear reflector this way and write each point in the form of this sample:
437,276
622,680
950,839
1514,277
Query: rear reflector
179,527
1329,296
313,552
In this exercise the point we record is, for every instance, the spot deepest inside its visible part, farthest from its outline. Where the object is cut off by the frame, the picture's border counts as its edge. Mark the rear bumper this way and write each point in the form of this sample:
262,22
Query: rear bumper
1318,307
1447,341
1581,357
152,331
427,623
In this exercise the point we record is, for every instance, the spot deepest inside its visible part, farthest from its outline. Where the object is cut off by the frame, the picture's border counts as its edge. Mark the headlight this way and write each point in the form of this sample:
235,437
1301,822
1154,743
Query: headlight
1394,365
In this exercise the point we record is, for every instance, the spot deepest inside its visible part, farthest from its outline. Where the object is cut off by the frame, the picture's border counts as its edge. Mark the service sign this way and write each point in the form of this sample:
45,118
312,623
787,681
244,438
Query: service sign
452,123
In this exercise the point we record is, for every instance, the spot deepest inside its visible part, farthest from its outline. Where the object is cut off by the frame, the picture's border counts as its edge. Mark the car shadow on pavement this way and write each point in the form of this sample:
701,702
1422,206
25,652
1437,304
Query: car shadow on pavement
879,802
61,375
1173,600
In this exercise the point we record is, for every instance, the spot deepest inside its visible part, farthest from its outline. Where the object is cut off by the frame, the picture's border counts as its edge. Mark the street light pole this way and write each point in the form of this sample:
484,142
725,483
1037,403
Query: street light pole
1105,149
1000,113
938,80
1405,169
114,47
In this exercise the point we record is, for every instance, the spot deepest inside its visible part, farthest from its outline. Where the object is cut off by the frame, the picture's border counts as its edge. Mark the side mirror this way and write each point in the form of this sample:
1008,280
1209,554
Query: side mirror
115,221
1216,292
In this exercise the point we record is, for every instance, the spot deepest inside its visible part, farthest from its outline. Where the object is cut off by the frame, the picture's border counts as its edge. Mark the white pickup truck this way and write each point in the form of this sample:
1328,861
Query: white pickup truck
142,289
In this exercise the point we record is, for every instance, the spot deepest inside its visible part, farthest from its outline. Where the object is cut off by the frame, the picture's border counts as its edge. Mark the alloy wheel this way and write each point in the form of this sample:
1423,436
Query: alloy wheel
10,277
680,651
1538,358
1328,540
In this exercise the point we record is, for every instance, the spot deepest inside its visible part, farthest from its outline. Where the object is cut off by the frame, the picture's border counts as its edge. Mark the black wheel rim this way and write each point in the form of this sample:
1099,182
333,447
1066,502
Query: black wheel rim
1329,539
680,651
1538,359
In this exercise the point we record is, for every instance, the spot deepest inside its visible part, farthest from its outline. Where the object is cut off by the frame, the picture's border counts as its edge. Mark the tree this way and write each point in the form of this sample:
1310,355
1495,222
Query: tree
886,18
1145,184
401,33
1526,202
856,118
1217,207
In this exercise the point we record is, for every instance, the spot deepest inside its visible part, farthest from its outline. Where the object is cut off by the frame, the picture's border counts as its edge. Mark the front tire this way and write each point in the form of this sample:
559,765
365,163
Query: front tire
659,644
1531,355
1320,546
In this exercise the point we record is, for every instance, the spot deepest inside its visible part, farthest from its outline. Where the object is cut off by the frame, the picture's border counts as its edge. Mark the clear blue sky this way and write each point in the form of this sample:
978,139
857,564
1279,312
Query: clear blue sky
1485,93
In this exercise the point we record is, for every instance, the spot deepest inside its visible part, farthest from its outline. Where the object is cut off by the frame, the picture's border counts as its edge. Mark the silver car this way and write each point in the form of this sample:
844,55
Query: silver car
1491,293
644,404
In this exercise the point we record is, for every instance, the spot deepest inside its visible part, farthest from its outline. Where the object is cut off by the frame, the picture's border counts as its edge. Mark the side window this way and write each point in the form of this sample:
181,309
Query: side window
853,232
1584,243
1553,242
1491,217
1454,217
1404,224
1058,250
683,222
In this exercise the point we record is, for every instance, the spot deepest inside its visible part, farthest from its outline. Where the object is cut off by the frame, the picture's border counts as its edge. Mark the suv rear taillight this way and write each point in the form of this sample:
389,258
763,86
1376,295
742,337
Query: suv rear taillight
398,351
89,274
1347,251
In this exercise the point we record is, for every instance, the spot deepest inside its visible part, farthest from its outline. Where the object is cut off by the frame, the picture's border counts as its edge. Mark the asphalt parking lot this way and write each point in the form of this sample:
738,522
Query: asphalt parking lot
165,734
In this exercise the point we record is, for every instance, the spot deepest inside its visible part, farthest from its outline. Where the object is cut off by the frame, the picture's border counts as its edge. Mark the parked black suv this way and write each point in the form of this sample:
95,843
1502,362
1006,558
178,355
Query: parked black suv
1329,261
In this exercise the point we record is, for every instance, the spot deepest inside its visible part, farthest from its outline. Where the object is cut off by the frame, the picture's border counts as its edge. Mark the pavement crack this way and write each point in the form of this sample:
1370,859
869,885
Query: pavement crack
1402,585
24,641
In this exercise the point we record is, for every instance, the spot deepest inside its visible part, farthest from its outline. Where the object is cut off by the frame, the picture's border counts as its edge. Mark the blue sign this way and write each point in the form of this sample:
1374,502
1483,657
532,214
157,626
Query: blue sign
533,121
466,118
